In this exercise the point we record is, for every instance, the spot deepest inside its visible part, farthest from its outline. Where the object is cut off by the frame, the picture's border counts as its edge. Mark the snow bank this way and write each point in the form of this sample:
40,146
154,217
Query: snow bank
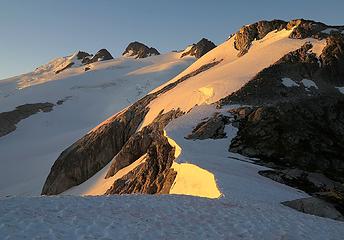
289,83
340,89
309,84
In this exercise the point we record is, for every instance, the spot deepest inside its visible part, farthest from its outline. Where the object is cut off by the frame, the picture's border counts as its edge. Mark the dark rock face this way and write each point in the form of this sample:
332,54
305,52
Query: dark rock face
247,34
96,149
200,48
139,50
101,55
212,128
8,120
332,60
81,55
155,174
315,206
306,28
308,134
140,142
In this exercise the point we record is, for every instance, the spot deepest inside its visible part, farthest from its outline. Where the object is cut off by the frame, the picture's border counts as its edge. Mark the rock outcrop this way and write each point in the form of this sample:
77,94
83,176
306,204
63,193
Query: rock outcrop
155,174
247,34
200,48
8,120
139,50
211,128
101,55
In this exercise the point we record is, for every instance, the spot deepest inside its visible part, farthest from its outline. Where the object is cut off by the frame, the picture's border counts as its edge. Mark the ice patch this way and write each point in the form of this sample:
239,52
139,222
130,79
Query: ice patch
207,92
289,83
308,84
340,89
329,30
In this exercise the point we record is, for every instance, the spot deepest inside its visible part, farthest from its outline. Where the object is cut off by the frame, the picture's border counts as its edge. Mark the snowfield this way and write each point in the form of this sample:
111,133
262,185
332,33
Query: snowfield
156,217
28,153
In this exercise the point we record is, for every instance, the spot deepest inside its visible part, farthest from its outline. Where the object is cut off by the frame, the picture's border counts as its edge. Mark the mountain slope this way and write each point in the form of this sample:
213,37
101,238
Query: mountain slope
79,101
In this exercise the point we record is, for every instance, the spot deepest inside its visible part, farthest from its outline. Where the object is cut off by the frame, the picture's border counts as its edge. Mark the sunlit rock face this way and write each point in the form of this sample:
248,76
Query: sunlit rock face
255,31
139,50
199,49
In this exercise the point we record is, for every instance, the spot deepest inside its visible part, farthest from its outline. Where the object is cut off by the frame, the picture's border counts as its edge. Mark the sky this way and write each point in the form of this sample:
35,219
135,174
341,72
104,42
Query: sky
36,31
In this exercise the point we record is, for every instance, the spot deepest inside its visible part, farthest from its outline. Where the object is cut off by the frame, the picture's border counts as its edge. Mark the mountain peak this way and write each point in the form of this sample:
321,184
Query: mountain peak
199,49
101,55
139,50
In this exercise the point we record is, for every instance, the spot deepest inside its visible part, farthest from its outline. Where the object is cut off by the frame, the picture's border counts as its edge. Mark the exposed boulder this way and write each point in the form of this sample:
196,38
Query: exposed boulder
200,48
310,182
8,120
211,128
139,50
315,206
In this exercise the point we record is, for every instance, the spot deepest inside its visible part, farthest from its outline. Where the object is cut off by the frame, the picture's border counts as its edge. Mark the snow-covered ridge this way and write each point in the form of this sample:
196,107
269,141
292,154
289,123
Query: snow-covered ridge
228,76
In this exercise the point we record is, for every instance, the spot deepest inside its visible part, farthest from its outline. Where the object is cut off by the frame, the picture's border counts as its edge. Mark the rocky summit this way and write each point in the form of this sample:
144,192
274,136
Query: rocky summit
200,48
139,50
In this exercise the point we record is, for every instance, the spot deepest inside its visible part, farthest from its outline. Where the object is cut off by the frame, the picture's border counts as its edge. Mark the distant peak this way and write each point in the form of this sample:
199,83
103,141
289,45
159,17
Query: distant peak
101,55
139,50
199,49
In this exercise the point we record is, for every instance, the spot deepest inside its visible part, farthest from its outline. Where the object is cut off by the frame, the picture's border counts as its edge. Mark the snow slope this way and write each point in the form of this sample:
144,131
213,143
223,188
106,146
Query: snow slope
28,153
227,76
249,208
